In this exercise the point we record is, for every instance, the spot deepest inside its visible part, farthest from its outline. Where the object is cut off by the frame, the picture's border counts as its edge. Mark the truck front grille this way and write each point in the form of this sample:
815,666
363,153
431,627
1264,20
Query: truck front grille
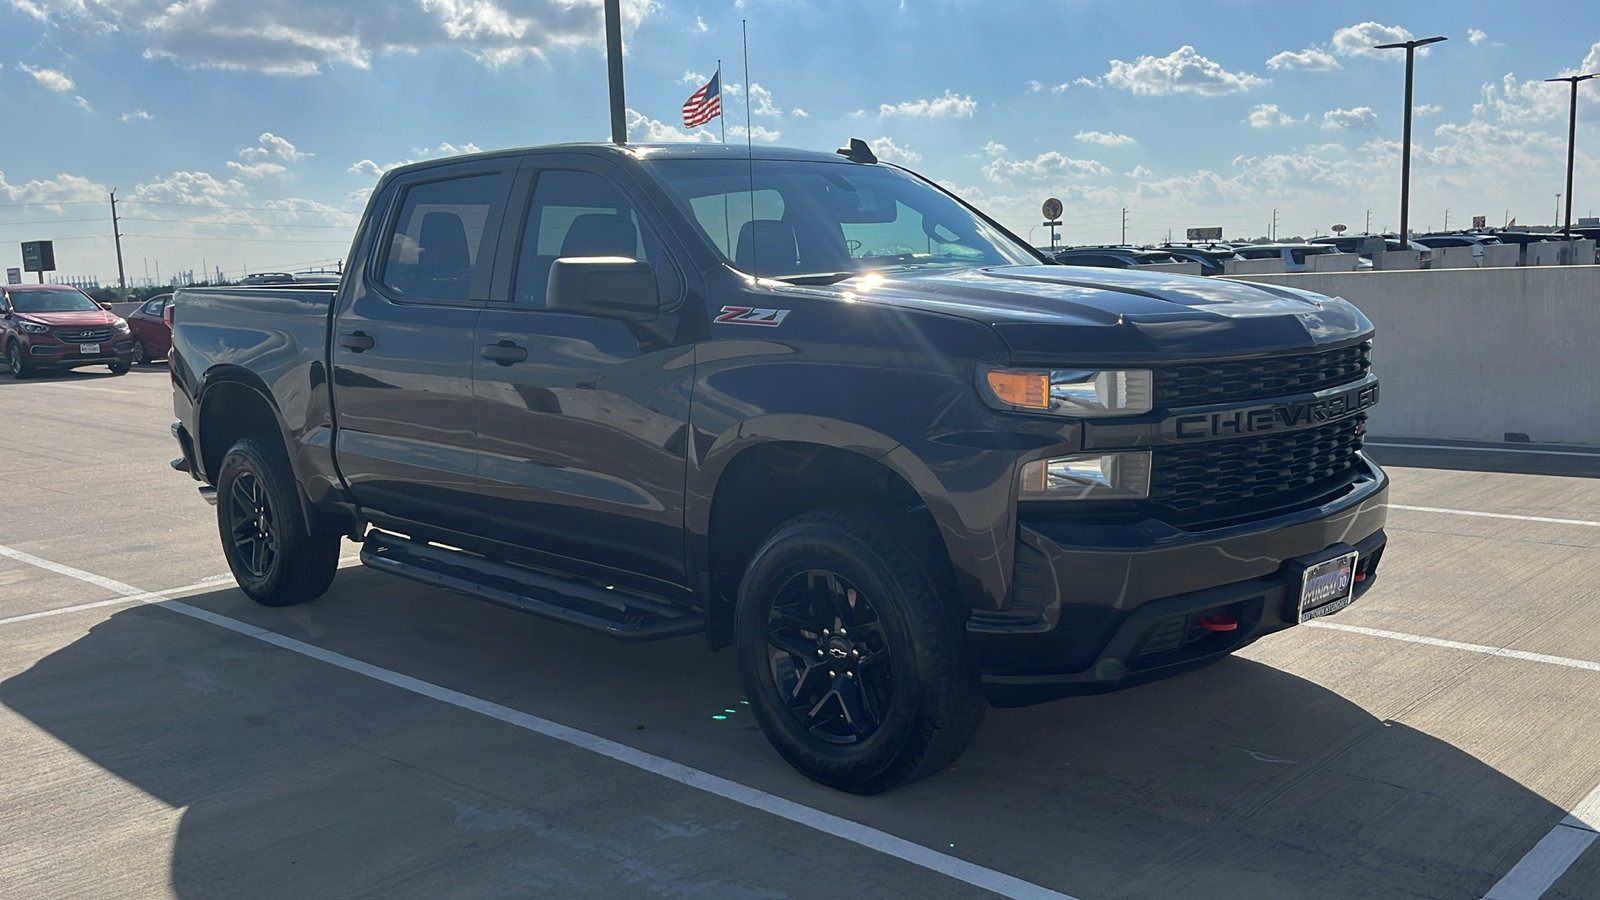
1229,381
1220,481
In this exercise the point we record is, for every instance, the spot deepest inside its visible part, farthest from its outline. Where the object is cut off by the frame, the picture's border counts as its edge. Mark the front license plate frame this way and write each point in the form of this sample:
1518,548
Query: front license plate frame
1328,586
89,349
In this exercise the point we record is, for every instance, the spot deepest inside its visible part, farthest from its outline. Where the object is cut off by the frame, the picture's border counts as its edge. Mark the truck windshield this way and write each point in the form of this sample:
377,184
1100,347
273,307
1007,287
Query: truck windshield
818,222
51,300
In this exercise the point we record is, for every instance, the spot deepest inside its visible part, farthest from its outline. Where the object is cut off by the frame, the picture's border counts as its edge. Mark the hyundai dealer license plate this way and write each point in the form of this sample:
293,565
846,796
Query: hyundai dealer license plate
1328,587
89,349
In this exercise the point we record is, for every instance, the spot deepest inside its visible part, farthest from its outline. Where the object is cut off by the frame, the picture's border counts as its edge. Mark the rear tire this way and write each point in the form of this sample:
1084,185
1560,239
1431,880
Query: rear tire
852,652
120,368
274,556
16,361
141,356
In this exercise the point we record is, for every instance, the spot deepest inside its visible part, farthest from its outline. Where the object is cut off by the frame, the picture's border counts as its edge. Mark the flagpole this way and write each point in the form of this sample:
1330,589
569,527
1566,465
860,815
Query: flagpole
722,120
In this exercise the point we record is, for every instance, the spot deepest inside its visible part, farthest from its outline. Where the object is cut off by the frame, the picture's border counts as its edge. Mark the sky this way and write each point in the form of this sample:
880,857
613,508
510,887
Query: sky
247,134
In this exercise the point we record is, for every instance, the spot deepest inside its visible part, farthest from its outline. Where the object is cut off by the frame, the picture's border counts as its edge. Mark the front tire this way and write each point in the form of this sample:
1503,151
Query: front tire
274,556
852,651
120,368
16,362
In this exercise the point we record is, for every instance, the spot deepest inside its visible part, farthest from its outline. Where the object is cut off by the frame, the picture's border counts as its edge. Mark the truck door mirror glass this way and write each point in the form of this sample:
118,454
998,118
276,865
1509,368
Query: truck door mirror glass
610,287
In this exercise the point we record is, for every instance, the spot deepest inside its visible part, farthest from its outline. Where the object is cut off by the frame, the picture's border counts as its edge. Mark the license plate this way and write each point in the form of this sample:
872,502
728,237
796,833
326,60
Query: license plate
89,349
1328,587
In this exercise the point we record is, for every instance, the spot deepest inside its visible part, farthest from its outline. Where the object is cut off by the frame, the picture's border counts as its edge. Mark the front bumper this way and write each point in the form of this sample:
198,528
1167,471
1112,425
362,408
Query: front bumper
1102,607
56,355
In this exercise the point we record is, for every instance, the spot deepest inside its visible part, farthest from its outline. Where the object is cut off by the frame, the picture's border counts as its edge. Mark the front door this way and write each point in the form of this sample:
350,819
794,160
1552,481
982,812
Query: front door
403,345
582,420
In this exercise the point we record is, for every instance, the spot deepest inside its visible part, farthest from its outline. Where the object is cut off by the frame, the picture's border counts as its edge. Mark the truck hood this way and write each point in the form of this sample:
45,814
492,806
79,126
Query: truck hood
1051,313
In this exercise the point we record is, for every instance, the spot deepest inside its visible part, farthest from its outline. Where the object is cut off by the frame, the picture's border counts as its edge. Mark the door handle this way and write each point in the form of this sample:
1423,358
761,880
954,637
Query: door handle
505,353
357,341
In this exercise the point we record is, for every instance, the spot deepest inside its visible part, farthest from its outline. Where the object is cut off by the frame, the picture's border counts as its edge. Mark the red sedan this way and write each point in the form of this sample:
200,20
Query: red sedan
152,336
53,326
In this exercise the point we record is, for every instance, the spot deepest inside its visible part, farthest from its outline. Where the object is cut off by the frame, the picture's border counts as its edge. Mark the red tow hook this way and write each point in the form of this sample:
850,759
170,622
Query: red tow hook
1219,621
1361,576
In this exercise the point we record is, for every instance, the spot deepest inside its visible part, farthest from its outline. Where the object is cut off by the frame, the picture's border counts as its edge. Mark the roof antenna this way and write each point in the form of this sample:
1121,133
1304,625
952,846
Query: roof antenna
749,150
858,151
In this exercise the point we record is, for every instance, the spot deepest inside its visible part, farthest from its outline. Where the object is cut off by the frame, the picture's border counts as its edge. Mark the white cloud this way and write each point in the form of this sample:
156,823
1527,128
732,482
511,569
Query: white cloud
1085,82
372,169
369,168
1034,87
948,105
699,25
136,114
1310,60
761,101
1045,166
82,104
49,79
197,188
296,38
889,151
1140,172
1104,139
694,78
1061,88
1362,118
994,148
269,145
1426,109
257,169
757,132
1360,40
646,130
798,112
1181,71
1476,36
48,192
1267,115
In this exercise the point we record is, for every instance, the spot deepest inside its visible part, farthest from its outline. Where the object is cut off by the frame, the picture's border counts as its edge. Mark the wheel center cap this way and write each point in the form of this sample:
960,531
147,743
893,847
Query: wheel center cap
838,648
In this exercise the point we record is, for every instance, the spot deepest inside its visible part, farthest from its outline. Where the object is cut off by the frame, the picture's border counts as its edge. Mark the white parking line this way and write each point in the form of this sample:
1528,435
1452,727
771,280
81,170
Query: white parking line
140,597
1549,859
978,876
1457,645
1490,515
1529,452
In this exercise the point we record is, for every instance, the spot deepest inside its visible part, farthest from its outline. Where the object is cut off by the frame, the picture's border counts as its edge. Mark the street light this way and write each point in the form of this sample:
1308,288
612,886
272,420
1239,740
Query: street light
1572,139
1405,155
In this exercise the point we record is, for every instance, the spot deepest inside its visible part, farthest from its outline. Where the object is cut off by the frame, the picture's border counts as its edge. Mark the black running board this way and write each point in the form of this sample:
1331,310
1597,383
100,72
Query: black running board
613,613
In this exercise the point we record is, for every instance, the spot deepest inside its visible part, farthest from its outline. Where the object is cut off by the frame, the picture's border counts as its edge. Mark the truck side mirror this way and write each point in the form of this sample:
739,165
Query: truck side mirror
610,287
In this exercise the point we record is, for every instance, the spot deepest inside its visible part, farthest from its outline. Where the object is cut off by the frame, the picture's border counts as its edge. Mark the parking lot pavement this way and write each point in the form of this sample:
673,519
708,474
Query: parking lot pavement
380,741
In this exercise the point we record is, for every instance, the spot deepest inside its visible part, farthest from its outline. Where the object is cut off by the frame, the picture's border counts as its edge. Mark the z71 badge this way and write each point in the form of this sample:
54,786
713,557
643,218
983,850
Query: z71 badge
746,315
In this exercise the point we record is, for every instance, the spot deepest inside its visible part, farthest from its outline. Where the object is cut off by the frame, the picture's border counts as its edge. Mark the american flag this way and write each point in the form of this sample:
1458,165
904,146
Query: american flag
705,104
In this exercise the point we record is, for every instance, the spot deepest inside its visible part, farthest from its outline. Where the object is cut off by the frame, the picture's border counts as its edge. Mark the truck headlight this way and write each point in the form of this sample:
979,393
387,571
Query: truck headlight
34,327
1081,393
1090,476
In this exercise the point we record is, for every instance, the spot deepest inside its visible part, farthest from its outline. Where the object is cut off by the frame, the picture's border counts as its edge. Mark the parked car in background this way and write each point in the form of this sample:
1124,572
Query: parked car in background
1357,243
1476,241
1113,257
1212,260
152,335
1522,239
1293,255
55,326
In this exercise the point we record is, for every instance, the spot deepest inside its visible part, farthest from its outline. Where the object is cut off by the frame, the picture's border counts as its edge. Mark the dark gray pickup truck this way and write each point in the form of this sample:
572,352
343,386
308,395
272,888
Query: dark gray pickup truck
809,405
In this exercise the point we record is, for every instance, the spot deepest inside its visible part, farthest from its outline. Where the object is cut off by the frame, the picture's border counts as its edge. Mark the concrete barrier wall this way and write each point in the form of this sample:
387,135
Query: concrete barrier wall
1393,260
1333,262
1473,354
1453,258
1181,268
1253,266
1548,253
1499,256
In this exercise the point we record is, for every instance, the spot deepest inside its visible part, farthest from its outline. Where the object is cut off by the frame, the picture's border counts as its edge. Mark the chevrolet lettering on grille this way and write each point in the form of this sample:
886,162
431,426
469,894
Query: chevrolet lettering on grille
1278,417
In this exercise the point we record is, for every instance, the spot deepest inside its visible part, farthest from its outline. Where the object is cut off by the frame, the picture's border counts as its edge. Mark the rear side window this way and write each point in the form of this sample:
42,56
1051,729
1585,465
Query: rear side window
441,246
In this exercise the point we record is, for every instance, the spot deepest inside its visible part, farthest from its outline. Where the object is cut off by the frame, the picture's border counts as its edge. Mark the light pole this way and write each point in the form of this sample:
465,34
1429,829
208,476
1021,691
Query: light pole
1405,150
1572,139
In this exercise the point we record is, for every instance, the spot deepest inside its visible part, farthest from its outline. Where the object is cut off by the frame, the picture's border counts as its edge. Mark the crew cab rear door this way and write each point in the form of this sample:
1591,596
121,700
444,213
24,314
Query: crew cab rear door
582,420
402,344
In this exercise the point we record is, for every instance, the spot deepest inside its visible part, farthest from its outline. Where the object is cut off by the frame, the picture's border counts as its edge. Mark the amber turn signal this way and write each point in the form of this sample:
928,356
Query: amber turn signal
1025,390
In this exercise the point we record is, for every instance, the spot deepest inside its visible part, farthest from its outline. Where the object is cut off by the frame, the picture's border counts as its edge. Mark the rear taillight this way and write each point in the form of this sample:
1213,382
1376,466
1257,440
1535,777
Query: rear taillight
166,314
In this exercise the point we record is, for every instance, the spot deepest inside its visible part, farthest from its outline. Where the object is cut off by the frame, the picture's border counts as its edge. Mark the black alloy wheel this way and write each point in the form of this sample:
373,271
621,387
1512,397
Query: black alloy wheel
271,548
829,657
141,357
852,650
255,529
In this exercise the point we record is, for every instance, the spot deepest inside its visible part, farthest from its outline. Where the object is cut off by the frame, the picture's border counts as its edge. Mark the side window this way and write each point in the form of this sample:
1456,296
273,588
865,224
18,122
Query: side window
154,306
441,245
573,213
